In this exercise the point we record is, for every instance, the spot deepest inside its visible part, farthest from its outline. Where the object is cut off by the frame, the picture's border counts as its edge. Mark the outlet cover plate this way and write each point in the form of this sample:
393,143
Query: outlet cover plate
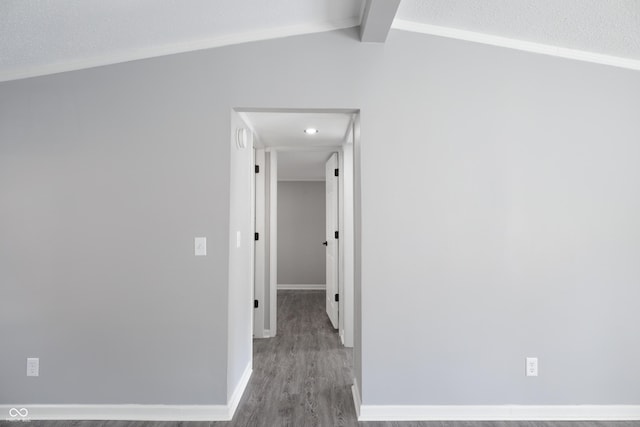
33,367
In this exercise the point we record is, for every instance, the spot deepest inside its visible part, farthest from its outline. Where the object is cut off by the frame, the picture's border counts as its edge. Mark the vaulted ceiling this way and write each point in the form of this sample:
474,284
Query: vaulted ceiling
40,37
610,27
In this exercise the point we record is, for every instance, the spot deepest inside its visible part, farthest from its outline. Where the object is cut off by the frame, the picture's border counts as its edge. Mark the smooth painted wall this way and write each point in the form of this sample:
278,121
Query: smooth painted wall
106,177
499,205
241,226
301,231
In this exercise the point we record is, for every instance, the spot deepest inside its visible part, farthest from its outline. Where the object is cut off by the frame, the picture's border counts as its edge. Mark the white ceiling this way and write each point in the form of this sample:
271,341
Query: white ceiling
300,156
286,129
39,37
610,27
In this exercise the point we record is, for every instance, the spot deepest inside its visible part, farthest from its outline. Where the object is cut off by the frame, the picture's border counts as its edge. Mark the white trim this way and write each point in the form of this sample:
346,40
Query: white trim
340,288
347,276
136,412
301,180
497,412
314,148
123,412
545,49
357,399
288,287
273,243
297,110
234,400
266,334
24,72
259,278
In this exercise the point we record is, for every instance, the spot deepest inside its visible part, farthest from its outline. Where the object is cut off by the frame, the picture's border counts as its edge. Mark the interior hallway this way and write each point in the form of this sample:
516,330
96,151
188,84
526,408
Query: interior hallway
302,378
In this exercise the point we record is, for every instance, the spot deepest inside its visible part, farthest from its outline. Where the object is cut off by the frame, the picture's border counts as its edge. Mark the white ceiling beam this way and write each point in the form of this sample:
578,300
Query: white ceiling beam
377,19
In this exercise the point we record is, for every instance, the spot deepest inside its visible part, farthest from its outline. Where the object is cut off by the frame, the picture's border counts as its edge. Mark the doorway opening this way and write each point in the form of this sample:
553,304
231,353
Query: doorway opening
303,211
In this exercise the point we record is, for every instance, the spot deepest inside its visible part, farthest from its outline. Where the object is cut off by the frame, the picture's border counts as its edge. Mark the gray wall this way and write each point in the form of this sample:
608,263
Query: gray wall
301,231
500,209
106,176
240,327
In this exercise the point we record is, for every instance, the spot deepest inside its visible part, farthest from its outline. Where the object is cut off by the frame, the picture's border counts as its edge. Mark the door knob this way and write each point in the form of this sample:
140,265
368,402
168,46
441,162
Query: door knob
325,243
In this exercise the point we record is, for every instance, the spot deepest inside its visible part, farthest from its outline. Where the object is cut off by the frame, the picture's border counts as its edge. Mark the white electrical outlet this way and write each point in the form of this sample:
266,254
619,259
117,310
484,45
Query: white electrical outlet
33,367
532,366
200,246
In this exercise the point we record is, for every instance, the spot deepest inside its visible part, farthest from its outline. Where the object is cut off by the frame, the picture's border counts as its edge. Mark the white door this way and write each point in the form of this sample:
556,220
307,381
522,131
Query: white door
332,235
260,270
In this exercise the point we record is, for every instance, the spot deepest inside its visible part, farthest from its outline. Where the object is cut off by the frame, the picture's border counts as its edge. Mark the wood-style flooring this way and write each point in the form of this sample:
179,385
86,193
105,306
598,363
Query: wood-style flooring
302,378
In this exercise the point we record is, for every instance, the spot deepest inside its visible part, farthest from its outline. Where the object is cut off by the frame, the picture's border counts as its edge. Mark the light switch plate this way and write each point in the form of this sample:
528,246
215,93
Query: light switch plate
532,366
200,246
33,366
237,239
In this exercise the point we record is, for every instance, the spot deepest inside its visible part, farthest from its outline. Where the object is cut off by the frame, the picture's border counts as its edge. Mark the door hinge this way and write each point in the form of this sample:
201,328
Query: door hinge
336,172
337,298
257,168
256,236
255,303
336,234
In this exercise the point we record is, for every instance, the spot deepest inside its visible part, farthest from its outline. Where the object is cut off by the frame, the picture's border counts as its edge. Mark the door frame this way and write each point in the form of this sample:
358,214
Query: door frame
273,243
346,243
332,242
349,225
260,260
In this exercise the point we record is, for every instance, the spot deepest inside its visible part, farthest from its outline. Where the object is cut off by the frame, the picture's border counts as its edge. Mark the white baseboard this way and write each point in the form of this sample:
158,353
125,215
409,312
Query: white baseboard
496,412
234,400
129,412
120,412
266,333
287,287
357,400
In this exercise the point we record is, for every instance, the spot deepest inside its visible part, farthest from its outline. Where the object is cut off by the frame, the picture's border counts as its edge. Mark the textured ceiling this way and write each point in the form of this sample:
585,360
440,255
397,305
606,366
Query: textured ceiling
610,27
60,33
46,36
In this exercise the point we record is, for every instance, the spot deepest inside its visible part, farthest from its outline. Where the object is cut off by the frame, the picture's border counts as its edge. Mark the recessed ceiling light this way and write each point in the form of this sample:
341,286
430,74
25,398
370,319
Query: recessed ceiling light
311,131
